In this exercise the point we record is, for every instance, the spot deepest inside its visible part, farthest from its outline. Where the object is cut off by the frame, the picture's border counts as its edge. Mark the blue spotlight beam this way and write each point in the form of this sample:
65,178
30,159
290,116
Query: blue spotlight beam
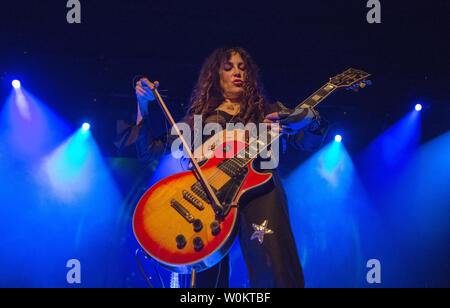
385,158
415,209
326,203
59,200
29,127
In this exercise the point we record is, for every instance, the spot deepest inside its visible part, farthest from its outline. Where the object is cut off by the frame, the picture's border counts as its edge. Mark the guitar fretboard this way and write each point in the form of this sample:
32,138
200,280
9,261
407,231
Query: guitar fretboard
317,96
249,153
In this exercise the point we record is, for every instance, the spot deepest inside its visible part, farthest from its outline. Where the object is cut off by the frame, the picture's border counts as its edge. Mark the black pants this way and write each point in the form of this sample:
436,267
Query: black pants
272,264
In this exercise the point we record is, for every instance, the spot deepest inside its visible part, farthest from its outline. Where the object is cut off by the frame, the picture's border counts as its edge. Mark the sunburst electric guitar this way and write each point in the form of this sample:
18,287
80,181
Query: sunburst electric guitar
188,221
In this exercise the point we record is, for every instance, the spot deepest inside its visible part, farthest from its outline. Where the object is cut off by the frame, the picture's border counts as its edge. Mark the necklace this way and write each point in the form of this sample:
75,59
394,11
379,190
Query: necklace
235,110
229,108
229,121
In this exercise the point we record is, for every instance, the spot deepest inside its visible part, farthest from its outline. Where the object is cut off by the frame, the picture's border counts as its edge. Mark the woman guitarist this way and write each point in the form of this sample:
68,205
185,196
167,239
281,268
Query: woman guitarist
228,90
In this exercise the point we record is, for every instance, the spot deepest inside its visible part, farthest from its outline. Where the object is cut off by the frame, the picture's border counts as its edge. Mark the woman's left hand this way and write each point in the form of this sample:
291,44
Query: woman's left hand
292,123
276,118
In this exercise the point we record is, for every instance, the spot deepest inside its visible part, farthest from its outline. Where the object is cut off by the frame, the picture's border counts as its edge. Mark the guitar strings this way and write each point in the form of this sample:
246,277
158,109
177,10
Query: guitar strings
219,174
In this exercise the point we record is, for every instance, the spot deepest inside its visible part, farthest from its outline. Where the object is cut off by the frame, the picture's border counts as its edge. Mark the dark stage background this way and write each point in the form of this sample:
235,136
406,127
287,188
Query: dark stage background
85,72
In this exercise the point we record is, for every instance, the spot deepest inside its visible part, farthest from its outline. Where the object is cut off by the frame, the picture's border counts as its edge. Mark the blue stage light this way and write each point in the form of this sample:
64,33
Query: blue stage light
418,107
86,126
16,84
338,138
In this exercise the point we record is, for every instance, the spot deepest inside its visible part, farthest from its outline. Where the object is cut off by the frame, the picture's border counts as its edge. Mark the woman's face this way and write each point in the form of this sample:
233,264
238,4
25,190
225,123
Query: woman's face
232,77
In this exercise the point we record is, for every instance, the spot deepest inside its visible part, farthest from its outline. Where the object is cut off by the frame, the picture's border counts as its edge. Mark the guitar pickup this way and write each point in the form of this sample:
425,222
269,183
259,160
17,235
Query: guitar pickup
197,188
182,211
193,200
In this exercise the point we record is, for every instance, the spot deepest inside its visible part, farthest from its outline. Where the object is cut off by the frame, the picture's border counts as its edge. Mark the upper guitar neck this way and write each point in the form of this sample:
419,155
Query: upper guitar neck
318,96
311,102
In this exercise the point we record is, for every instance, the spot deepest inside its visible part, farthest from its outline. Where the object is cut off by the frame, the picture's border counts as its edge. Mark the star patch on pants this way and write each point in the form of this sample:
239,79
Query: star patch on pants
260,231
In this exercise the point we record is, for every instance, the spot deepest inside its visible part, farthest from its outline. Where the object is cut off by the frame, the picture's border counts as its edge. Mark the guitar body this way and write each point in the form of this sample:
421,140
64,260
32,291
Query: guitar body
170,211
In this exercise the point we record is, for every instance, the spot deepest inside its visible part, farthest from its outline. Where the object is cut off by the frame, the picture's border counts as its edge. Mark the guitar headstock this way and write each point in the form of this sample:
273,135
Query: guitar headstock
350,79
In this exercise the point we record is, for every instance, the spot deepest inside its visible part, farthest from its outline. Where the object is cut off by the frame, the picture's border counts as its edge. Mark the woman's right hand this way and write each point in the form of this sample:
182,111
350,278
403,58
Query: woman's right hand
144,94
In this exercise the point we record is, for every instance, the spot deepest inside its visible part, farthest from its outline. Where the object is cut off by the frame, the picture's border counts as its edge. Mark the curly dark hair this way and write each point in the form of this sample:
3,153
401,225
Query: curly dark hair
207,93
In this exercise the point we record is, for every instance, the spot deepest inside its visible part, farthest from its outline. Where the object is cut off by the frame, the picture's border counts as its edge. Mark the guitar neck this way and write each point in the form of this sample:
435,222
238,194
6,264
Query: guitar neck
255,148
346,79
318,96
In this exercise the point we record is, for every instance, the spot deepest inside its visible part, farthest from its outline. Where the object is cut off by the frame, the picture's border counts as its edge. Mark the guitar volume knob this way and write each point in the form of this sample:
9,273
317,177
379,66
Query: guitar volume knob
215,228
198,225
198,244
181,241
